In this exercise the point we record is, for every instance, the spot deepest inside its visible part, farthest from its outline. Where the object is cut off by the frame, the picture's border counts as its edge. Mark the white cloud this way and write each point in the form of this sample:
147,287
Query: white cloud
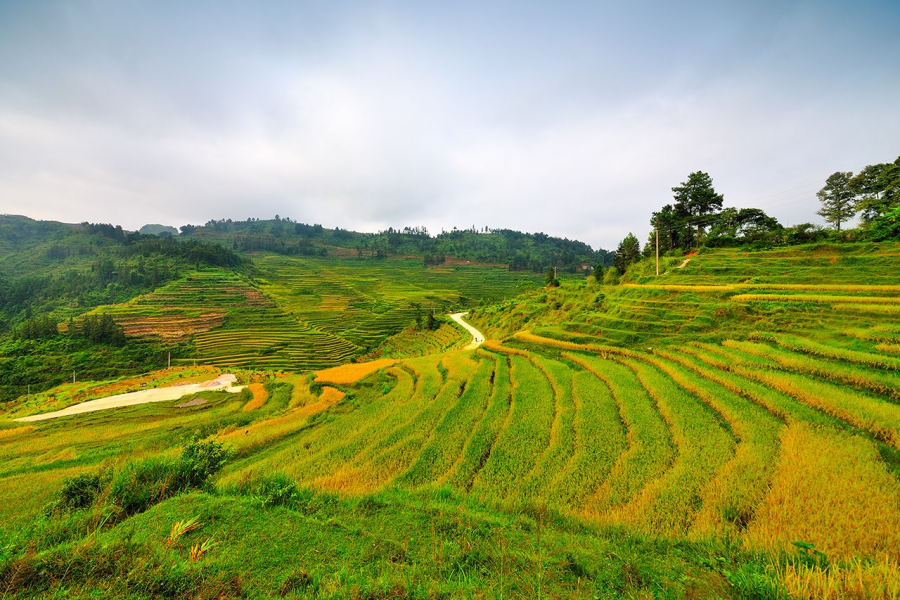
405,119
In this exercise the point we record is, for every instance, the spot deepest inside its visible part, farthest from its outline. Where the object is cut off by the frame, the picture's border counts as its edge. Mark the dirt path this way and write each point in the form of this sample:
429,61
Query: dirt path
222,382
477,336
684,264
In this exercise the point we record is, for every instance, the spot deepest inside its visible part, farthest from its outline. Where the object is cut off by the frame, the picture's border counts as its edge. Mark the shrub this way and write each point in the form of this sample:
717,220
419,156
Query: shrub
143,483
201,460
80,491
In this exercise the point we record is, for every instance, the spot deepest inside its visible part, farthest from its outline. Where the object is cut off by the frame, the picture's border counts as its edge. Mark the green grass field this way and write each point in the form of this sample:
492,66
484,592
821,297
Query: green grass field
730,429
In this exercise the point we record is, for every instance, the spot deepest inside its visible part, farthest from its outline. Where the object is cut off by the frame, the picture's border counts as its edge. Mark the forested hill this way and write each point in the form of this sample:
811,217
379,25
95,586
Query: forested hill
519,251
61,270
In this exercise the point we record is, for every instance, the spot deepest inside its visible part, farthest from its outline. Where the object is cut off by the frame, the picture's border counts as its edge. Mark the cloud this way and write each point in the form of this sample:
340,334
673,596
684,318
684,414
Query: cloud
575,121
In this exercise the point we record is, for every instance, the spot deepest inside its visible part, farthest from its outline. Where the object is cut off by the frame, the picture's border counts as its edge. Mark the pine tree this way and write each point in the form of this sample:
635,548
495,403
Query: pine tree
628,252
837,199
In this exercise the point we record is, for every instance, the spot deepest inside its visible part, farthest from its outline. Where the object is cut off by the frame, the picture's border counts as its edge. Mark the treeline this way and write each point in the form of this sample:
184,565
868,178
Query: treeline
697,218
100,329
873,194
48,267
40,364
519,251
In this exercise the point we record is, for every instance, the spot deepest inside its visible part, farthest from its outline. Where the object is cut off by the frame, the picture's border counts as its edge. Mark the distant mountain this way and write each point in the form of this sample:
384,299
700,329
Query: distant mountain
158,230
519,251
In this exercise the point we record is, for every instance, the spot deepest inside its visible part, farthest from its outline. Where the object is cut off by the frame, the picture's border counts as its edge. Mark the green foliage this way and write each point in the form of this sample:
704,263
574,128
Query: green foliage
200,460
47,362
38,328
694,199
80,491
886,226
550,279
837,199
628,253
68,269
102,329
877,190
143,483
519,251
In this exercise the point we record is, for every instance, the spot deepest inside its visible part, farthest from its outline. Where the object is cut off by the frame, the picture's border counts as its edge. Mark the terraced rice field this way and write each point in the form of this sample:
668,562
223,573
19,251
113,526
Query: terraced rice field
365,302
720,294
306,314
758,416
753,441
231,324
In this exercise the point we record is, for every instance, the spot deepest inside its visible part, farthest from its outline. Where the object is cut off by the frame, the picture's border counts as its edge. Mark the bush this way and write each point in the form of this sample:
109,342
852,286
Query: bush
144,483
80,491
200,461
141,484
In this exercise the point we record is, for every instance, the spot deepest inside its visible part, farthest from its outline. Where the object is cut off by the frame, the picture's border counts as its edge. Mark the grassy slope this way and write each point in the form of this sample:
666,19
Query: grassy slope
682,471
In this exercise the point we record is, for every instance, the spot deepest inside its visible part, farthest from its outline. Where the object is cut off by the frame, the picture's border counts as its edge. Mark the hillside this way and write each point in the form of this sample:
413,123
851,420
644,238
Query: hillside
512,249
51,273
728,429
301,313
196,300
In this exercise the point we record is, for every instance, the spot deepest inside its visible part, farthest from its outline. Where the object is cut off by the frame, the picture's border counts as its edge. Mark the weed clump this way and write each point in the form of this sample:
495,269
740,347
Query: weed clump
141,484
80,491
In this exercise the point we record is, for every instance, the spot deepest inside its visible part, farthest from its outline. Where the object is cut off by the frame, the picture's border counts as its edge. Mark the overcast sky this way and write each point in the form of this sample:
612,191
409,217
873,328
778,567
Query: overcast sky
571,118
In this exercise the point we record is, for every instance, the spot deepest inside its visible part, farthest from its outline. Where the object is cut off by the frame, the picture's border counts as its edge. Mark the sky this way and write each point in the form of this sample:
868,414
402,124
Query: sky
571,118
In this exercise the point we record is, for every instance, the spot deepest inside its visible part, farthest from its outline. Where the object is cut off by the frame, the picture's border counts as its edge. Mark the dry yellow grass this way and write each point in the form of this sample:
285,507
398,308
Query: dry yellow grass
259,396
812,287
8,433
816,298
330,396
830,489
353,372
265,432
893,348
856,579
603,351
797,287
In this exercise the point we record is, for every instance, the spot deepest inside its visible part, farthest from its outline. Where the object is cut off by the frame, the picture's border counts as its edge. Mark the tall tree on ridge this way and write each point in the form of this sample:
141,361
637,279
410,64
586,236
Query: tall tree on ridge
876,190
837,199
696,198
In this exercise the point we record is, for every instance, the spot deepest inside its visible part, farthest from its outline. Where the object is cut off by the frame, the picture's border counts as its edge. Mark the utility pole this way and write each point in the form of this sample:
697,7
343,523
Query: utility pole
170,354
555,274
657,251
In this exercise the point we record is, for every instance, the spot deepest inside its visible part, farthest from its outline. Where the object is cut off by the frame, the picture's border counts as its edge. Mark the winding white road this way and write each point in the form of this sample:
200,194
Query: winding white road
173,392
477,336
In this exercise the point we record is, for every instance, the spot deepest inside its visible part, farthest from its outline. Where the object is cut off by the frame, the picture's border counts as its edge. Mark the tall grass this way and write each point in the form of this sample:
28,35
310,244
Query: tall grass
831,490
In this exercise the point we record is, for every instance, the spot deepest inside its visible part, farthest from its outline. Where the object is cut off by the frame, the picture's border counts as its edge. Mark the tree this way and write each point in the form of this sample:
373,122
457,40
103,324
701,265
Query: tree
696,198
628,252
837,199
673,232
745,224
550,277
877,190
